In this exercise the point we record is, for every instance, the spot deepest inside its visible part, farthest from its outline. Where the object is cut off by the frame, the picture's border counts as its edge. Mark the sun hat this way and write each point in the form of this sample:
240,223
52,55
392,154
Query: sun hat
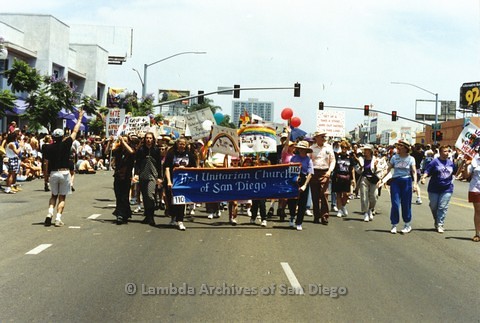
304,145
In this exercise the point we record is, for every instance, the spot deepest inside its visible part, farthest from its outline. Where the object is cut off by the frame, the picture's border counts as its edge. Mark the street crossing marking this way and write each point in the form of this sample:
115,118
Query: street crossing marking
38,249
74,227
292,279
93,216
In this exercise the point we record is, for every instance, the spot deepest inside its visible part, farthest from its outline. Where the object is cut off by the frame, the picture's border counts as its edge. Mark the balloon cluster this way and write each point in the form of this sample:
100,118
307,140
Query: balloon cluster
287,114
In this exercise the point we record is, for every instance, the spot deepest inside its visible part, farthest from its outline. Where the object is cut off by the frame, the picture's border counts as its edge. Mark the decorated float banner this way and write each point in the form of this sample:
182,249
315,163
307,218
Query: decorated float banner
195,121
114,120
224,141
256,138
469,139
200,185
134,125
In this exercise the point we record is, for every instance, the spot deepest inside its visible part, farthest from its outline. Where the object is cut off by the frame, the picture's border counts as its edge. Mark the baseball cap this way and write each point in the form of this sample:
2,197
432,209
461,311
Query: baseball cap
57,133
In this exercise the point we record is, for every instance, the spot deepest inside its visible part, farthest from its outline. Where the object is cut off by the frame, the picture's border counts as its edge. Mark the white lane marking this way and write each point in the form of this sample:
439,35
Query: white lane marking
292,279
268,234
38,249
93,216
74,227
111,205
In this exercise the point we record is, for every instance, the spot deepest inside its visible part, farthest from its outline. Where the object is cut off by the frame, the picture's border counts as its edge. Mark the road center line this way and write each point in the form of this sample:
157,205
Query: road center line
292,279
38,249
93,216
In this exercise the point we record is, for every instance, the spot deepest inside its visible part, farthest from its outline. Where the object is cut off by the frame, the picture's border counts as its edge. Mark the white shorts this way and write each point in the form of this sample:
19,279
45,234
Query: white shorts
60,182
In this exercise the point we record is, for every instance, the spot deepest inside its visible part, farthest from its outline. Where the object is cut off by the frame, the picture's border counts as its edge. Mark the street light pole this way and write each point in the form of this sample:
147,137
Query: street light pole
436,104
145,66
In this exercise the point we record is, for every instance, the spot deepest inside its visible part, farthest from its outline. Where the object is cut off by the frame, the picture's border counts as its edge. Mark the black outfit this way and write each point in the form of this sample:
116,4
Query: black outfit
343,173
148,167
175,159
58,154
124,162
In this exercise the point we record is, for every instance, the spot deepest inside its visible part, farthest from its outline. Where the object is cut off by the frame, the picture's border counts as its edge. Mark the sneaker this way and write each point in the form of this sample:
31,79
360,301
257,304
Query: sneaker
48,221
252,221
233,222
334,208
370,215
181,226
299,227
394,229
9,191
344,210
440,229
138,209
291,223
339,214
192,211
264,223
217,214
366,217
309,213
407,228
210,216
249,213
418,201
59,223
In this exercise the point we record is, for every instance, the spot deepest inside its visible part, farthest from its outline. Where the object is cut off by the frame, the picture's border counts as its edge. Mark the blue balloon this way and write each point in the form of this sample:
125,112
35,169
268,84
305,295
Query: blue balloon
218,117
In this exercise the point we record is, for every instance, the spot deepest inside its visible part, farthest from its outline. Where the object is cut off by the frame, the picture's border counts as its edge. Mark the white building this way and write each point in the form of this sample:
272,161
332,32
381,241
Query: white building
43,42
262,109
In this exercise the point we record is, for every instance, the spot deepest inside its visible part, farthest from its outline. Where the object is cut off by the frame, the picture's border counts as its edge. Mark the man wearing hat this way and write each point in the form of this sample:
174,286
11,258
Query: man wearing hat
323,160
57,157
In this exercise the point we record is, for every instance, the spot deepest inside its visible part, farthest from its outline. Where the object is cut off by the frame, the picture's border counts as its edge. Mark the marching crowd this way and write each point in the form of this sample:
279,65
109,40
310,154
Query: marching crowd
332,173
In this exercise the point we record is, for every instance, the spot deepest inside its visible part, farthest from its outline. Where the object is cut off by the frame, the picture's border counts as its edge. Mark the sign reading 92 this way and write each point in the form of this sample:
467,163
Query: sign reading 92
469,94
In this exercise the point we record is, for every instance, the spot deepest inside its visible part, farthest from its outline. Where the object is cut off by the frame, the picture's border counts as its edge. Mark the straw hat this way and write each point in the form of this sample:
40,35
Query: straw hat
304,145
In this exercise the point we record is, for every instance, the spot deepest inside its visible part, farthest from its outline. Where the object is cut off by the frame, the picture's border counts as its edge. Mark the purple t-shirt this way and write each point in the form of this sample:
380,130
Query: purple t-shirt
307,164
441,172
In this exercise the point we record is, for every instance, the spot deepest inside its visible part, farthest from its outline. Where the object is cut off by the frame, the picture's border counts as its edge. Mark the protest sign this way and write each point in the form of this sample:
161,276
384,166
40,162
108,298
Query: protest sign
114,120
255,138
469,139
199,185
135,125
194,122
224,141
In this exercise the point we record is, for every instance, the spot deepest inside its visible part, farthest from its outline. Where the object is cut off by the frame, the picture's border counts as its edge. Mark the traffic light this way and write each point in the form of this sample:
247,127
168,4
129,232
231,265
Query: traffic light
366,110
320,105
296,90
394,115
438,134
200,98
236,93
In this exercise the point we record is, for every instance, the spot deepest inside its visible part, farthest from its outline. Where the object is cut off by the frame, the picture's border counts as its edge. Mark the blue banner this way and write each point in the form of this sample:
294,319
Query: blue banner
198,185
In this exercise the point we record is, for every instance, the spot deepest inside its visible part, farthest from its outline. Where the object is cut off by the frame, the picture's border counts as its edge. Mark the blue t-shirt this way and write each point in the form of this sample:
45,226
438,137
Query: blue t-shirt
441,172
402,165
307,164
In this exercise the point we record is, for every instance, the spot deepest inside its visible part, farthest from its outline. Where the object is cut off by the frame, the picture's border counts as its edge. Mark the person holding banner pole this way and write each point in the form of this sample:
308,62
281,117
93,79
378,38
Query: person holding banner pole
297,207
177,156
148,171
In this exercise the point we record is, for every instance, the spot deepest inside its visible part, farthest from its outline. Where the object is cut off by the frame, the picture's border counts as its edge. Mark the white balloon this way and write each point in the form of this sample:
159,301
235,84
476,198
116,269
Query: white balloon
207,125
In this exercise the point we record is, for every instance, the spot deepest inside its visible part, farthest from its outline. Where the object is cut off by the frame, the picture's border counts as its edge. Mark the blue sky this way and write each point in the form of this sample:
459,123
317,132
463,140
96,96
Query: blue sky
344,53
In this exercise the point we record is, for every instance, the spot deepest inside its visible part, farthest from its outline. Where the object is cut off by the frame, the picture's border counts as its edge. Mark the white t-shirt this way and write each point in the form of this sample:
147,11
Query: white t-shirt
475,170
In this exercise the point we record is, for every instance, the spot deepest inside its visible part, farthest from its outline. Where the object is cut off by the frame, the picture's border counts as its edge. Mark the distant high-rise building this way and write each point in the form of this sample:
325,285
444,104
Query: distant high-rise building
254,107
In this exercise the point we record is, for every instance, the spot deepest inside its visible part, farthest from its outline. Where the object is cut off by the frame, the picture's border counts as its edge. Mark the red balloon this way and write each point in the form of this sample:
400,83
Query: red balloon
287,113
295,122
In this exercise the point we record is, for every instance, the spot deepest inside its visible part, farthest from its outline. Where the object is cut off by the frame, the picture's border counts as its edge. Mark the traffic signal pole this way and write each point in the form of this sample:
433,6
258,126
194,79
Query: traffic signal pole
225,90
378,111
